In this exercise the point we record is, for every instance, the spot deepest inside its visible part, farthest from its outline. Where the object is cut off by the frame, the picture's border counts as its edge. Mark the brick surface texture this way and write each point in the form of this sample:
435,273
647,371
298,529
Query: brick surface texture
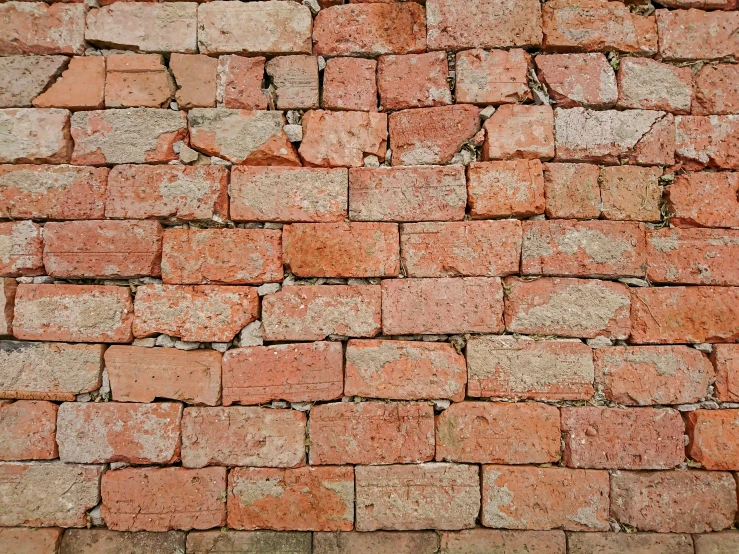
369,276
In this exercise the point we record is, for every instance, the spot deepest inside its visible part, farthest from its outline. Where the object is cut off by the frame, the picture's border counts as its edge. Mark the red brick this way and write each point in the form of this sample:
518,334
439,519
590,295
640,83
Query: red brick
52,192
77,313
585,25
525,497
611,137
716,90
341,249
303,499
119,249
704,199
572,191
91,433
413,81
480,541
714,438
204,313
103,541
701,4
673,501
567,307
627,543
293,372
24,540
342,139
519,132
350,84
442,306
142,374
695,34
48,494
181,192
709,141
49,371
315,312
228,256
512,188
242,136
80,87
684,314
573,80
520,367
492,432
483,24
408,497
28,431
138,80
210,542
371,433
7,301
160,499
370,29
492,77
630,193
378,542
716,543
240,436
288,194
404,370
21,249
725,358
37,28
428,136
196,80
647,375
40,136
295,80
239,82
649,85
249,28
407,193
28,76
144,27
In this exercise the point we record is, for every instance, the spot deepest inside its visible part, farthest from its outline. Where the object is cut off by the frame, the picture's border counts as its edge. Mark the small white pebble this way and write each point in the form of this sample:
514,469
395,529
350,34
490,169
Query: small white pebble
487,112
148,342
220,346
166,341
183,345
294,133
599,342
268,288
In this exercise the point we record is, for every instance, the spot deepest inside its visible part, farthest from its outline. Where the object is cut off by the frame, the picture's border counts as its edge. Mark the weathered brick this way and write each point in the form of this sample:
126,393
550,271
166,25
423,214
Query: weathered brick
647,375
161,499
213,542
91,433
315,312
302,499
251,28
180,192
80,87
34,135
513,188
520,367
442,306
241,436
492,77
229,256
630,193
142,374
574,80
696,34
8,288
674,501
572,191
134,135
341,249
370,29
704,199
239,82
27,77
567,307
38,28
410,497
701,4
404,370
21,249
204,313
707,141
667,315
483,24
519,132
428,136
716,543
481,541
716,90
635,136
342,139
242,136
295,79
52,192
25,540
138,80
465,248
350,84
49,371
47,494
492,432
120,249
725,358
378,542
144,27
650,85
28,431
713,438
196,80
413,81
585,25
102,541
627,543
293,372
78,313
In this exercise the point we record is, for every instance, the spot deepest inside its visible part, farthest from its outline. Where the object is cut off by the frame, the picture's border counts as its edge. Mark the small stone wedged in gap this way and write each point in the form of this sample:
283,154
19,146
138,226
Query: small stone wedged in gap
166,341
148,342
487,112
251,335
220,346
599,342
704,347
183,345
279,404
301,406
634,281
294,133
268,288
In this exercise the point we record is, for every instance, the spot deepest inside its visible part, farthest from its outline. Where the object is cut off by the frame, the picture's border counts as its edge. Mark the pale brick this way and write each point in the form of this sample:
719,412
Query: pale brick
27,77
572,191
649,85
696,34
295,79
492,77
34,135
38,28
709,141
574,80
21,249
28,431
519,132
513,188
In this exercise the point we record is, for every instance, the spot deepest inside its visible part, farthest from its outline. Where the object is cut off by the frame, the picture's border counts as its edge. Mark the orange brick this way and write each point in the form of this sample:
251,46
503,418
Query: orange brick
41,136
195,75
707,141
492,77
697,35
21,249
480,541
713,438
619,543
631,193
725,358
24,540
28,431
575,80
413,81
572,191
138,80
519,132
350,84
505,189
27,77
704,199
716,90
80,87
42,29
239,83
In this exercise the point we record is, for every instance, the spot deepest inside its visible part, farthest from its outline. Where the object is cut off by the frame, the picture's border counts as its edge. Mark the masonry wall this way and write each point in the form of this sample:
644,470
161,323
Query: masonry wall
441,277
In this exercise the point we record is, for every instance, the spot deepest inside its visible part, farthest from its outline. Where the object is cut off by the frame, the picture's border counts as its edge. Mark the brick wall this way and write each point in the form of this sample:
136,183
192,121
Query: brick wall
441,277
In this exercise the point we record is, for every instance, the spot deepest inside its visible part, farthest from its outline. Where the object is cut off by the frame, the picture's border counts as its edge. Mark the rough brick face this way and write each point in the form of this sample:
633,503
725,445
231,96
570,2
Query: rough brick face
492,77
350,84
480,541
28,430
239,82
618,543
725,358
695,34
572,191
102,541
517,131
716,90
713,440
28,76
574,80
708,141
37,28
649,85
380,542
413,81
39,136
8,288
21,249
505,189
137,80
704,199
24,540
630,193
